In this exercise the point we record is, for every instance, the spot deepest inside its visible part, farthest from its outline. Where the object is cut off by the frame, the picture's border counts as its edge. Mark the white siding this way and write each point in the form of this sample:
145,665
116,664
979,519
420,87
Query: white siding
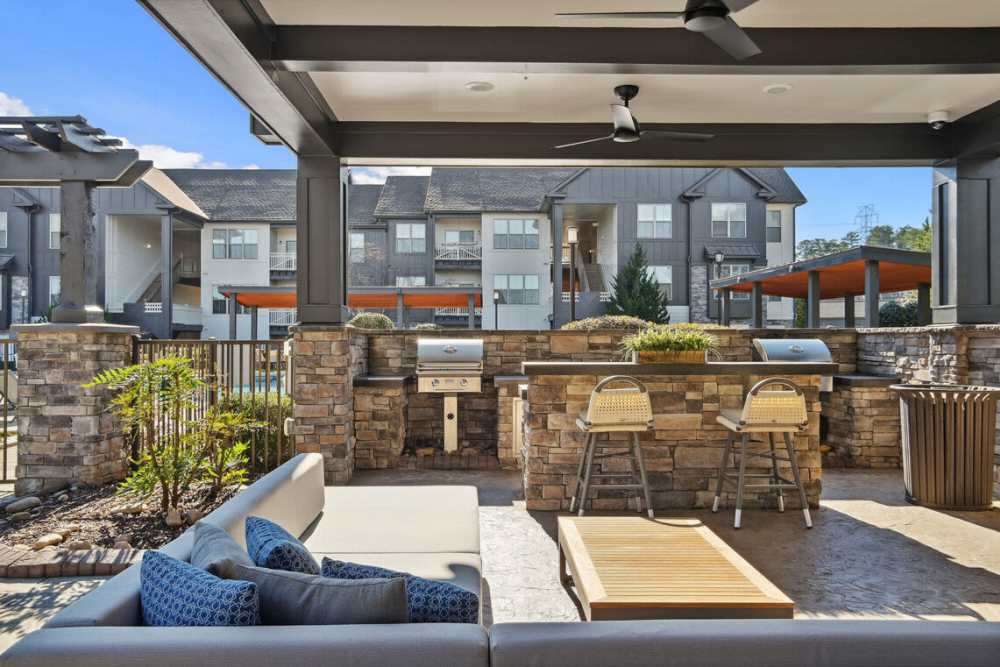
518,262
233,272
778,254
130,266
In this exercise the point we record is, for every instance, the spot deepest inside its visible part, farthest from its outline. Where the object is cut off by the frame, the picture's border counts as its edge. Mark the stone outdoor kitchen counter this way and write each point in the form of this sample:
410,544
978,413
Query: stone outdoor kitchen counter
684,449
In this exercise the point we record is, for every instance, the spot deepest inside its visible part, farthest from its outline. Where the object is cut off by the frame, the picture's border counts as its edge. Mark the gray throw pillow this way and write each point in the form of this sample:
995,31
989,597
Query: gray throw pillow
215,551
296,598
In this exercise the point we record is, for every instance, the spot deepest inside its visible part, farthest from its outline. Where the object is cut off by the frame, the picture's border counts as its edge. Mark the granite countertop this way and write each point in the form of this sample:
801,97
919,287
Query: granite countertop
710,368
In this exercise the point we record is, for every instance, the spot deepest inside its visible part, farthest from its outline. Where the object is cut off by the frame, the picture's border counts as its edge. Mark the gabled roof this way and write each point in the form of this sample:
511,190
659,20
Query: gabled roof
267,195
492,189
169,191
402,196
361,202
785,189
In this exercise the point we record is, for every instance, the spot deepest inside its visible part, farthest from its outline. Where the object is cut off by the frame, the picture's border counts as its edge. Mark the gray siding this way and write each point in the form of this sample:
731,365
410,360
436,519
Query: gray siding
373,270
420,264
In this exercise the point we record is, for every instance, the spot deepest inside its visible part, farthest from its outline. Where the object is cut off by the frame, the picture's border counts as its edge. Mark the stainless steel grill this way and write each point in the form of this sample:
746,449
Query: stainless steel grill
796,349
449,366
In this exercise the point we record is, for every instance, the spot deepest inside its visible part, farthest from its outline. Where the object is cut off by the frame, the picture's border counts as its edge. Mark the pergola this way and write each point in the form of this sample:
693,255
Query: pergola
864,270
68,153
443,82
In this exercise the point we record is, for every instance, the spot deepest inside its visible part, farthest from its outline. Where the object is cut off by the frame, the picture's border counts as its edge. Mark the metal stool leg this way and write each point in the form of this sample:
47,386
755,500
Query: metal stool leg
579,473
790,446
722,472
637,448
774,473
740,480
591,446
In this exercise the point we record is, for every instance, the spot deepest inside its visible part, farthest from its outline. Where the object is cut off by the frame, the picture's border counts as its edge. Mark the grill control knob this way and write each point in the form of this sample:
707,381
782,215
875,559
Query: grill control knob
435,382
464,382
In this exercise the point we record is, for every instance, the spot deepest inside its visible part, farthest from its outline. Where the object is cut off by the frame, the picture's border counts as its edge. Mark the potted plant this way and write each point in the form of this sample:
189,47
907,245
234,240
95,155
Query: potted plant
670,344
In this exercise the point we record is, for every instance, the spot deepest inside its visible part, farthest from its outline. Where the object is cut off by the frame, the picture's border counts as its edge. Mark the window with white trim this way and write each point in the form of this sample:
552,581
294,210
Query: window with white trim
234,243
55,230
411,238
3,229
729,221
55,290
729,269
357,253
654,221
518,289
773,226
664,276
515,234
411,281
459,236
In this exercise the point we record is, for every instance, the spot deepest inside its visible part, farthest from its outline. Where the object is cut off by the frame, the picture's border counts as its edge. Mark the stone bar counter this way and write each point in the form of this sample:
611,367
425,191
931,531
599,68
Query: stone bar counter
684,449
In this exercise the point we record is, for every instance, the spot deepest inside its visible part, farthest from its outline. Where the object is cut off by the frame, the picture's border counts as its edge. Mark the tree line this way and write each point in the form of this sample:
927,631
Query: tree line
906,237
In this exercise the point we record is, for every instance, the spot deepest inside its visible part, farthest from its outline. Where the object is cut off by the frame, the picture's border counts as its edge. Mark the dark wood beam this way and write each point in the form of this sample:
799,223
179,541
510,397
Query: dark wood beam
49,169
630,50
735,145
978,134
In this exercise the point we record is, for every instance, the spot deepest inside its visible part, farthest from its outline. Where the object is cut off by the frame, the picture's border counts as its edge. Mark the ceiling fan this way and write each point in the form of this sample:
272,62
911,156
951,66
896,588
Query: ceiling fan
709,17
626,127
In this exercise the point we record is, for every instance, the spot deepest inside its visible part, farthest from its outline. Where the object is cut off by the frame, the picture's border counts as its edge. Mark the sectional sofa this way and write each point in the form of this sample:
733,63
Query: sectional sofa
434,532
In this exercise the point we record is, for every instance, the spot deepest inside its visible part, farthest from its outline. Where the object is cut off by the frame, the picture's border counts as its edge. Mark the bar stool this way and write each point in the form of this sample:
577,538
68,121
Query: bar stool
622,410
781,409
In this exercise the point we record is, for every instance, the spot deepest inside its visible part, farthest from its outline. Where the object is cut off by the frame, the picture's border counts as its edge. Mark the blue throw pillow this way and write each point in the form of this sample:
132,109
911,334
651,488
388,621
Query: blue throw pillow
273,547
172,592
428,601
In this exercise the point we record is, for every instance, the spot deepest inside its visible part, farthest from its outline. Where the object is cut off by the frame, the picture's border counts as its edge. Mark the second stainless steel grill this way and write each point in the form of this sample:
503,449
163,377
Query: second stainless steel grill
449,366
796,349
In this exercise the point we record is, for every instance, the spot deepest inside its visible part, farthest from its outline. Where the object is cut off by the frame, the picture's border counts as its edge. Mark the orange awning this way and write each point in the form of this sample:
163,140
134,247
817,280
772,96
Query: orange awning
430,299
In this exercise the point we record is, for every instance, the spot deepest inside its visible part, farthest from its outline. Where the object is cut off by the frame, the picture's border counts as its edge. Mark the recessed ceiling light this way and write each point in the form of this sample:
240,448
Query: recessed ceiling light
777,88
479,86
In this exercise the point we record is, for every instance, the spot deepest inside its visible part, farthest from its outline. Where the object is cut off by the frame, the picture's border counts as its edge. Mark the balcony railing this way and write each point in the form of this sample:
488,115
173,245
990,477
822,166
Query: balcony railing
603,297
456,312
183,314
281,317
283,261
459,252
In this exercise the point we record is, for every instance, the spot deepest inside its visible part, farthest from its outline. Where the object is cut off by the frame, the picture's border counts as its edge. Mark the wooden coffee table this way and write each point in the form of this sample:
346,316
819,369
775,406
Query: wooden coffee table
633,568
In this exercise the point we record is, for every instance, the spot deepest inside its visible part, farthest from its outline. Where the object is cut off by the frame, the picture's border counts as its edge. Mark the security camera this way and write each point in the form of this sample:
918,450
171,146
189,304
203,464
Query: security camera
938,119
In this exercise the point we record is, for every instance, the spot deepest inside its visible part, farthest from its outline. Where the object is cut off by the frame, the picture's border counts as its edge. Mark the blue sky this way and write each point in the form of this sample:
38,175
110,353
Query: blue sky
110,61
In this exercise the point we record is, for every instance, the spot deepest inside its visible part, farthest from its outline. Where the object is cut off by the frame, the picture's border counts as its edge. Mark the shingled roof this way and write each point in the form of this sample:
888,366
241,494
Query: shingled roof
492,189
781,183
402,196
361,202
267,195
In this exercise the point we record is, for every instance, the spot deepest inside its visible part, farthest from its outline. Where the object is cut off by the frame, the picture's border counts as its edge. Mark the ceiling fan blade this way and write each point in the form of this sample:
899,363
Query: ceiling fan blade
679,136
587,141
622,117
737,5
731,39
621,15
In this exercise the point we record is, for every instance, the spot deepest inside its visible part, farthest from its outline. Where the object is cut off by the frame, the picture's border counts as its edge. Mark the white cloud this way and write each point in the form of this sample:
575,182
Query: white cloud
377,175
166,157
13,106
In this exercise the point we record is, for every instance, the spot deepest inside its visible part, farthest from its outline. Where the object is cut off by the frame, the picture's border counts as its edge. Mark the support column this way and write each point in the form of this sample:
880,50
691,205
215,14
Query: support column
320,248
757,305
472,311
849,319
77,255
253,323
167,274
871,293
400,311
812,301
923,304
725,306
233,306
557,268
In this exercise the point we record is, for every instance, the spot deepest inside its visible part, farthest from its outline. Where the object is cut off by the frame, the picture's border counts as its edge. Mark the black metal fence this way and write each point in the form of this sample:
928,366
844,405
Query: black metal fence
249,375
8,407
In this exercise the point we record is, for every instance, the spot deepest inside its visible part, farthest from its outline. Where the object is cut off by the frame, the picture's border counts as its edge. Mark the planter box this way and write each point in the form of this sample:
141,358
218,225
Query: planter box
669,357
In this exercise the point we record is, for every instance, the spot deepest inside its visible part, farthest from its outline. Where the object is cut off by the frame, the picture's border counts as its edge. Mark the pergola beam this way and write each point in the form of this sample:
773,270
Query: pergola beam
44,168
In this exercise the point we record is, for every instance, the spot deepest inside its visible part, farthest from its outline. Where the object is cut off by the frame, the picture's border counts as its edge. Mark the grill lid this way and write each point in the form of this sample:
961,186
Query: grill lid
792,349
443,353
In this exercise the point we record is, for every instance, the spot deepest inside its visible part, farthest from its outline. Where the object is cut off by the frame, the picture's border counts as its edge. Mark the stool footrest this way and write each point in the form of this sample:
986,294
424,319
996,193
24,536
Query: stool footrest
615,486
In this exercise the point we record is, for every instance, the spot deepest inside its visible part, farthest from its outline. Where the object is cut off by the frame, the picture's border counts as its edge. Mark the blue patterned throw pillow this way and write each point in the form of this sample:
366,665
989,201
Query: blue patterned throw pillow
429,601
172,592
273,547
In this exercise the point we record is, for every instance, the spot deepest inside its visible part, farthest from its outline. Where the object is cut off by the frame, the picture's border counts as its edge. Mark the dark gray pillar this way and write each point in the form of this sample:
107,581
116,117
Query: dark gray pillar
757,305
871,293
167,273
400,310
320,247
725,306
849,320
472,311
812,301
253,323
78,258
923,304
232,315
557,267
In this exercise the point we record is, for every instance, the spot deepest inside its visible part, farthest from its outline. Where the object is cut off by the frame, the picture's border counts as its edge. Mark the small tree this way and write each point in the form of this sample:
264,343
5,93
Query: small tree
224,434
635,292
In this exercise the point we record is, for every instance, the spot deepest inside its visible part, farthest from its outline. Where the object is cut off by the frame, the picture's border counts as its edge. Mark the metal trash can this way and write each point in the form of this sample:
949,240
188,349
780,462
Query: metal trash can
949,436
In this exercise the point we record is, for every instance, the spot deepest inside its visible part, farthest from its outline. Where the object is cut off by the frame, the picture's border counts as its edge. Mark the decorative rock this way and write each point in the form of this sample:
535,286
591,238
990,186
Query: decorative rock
23,504
173,518
4,502
78,545
66,531
121,538
134,508
122,544
20,517
193,516
62,497
426,451
47,540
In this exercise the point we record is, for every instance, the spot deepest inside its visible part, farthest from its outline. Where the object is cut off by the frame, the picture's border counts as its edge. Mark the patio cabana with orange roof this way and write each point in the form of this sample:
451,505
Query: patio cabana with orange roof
380,298
863,270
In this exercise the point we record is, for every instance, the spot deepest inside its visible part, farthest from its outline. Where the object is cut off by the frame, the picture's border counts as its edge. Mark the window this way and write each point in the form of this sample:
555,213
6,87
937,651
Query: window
734,269
515,234
220,304
411,238
234,244
459,236
291,247
654,221
773,298
55,290
55,230
774,226
3,229
664,276
357,253
250,244
517,289
411,281
219,237
729,221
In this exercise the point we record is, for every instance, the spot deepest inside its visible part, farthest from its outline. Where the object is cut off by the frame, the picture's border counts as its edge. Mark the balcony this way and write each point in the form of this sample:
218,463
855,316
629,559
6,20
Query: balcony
281,317
458,256
283,262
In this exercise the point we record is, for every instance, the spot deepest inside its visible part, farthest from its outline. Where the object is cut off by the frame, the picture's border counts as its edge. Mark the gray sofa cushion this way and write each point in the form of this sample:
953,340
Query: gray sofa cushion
294,598
461,569
214,550
745,643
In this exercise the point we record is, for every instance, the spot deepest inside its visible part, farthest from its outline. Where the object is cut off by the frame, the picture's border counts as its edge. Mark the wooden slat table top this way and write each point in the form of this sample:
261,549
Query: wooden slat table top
633,562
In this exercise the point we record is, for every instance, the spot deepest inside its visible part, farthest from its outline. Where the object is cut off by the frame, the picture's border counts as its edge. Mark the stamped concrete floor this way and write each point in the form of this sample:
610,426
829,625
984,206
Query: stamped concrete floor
870,554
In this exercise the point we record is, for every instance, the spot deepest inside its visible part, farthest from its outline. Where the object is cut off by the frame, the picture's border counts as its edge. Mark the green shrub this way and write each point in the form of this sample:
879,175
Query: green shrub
608,322
670,338
268,445
893,314
371,321
427,326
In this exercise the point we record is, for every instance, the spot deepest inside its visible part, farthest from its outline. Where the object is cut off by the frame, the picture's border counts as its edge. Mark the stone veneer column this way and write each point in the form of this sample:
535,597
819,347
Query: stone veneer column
65,432
698,304
325,360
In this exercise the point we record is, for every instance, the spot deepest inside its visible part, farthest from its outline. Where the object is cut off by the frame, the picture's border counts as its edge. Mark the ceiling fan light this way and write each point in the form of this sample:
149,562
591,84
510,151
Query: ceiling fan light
704,22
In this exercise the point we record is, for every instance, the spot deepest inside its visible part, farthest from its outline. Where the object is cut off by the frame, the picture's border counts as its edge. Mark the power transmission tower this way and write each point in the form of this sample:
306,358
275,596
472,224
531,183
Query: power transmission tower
866,218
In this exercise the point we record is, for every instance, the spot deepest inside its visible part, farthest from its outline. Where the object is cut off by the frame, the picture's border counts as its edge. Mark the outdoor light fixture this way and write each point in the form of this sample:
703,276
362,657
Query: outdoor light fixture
571,235
496,309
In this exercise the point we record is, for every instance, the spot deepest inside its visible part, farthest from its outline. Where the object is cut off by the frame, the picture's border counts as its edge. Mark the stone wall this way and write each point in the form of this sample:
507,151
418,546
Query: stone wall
508,450
698,293
65,432
863,423
379,425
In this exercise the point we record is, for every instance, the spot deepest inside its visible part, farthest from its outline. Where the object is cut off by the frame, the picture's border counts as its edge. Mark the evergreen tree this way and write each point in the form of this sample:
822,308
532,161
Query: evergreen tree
635,292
